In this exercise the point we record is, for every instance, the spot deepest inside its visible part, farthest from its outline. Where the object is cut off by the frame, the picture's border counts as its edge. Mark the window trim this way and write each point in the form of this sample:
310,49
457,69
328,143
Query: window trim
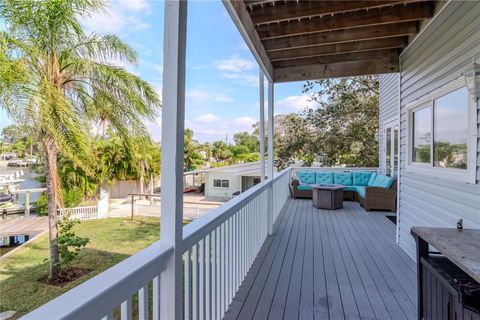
221,180
467,175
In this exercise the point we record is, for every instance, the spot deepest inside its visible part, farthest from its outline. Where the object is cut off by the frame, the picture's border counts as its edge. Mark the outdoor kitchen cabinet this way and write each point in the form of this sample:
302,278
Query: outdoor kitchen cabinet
448,276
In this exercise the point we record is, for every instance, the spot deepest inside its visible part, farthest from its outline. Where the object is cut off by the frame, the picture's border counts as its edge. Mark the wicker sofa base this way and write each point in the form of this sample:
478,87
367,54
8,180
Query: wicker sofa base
378,203
376,198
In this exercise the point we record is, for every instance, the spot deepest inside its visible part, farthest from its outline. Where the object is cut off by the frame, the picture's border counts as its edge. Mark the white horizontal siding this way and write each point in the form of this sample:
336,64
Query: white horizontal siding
389,95
440,54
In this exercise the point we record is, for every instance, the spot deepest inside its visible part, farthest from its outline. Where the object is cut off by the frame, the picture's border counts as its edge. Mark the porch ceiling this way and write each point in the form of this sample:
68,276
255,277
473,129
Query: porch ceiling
304,40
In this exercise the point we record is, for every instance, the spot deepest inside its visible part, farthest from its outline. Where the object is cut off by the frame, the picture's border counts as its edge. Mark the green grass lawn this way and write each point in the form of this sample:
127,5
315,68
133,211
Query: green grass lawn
111,240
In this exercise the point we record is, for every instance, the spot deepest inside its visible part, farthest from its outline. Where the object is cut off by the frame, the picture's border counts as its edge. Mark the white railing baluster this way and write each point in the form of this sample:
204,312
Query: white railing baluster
186,283
232,258
218,292
195,282
207,277
156,298
201,277
213,293
143,303
126,310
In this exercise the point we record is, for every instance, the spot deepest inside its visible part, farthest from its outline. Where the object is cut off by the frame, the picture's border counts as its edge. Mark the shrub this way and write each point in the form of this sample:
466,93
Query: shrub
69,244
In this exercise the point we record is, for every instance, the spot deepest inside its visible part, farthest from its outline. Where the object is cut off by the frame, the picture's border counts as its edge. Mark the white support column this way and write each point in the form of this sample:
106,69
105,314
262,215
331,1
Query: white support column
262,126
173,125
270,157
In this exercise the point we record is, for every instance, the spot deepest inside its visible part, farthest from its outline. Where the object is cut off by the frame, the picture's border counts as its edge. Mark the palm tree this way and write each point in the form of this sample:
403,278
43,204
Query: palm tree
54,77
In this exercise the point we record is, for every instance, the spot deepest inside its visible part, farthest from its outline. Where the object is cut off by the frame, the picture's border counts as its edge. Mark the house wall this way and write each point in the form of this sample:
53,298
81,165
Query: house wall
389,102
440,54
211,191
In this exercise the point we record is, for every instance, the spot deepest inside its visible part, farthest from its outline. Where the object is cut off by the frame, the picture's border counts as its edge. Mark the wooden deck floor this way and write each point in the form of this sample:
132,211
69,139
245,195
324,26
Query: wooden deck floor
320,264
23,226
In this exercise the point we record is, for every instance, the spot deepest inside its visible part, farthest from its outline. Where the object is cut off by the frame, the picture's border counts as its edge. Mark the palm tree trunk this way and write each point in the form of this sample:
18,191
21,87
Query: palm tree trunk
55,200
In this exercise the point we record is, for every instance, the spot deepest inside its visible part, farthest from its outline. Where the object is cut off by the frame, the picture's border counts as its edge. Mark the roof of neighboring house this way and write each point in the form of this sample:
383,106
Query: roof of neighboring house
243,169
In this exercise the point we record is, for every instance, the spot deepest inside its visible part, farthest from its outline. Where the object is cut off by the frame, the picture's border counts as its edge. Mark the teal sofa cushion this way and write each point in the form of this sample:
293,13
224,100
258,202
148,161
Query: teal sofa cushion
361,191
350,188
304,187
306,176
383,181
360,178
372,179
344,178
324,177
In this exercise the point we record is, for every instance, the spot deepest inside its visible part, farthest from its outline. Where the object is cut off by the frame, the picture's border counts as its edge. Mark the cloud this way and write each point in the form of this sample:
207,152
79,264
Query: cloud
202,96
211,127
208,118
240,69
293,104
135,5
119,16
234,64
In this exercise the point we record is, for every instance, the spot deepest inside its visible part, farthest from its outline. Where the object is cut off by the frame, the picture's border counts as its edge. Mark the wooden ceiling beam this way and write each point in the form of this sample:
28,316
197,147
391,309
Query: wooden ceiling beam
256,2
355,56
284,11
346,47
343,35
336,70
395,14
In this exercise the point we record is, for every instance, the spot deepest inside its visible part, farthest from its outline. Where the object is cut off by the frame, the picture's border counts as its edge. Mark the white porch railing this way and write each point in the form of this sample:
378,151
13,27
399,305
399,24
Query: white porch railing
219,249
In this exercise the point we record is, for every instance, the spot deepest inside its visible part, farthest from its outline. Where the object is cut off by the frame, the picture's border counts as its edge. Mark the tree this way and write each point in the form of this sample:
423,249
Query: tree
221,152
53,78
192,158
345,124
248,140
14,133
293,140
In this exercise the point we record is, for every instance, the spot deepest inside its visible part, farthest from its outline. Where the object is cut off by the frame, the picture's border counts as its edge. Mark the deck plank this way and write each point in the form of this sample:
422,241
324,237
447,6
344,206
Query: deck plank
328,264
251,301
281,292
265,300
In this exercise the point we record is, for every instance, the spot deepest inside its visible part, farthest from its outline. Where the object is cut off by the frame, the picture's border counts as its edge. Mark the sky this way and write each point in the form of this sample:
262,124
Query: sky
222,95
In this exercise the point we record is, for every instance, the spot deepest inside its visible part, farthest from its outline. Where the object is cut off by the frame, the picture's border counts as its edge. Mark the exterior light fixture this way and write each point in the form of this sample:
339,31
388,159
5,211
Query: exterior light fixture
472,78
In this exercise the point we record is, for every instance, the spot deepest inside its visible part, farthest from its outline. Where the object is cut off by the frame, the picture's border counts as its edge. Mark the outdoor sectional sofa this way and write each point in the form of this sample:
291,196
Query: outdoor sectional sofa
372,190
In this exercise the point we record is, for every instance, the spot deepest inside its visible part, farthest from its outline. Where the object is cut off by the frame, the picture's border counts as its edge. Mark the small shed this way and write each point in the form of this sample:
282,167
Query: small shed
223,182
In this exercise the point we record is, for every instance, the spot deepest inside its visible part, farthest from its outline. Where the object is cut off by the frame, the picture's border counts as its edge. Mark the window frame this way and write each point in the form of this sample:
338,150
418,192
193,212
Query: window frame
221,184
464,175
393,125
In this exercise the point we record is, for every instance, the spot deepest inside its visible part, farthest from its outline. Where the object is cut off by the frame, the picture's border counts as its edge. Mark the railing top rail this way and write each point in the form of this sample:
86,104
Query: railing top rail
199,228
104,292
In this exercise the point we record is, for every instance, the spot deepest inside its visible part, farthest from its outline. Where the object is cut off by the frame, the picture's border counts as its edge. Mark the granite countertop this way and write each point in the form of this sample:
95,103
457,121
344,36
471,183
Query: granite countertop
461,246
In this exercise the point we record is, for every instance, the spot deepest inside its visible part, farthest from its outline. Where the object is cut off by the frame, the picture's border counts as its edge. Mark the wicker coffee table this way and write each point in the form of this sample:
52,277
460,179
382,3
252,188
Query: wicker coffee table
328,196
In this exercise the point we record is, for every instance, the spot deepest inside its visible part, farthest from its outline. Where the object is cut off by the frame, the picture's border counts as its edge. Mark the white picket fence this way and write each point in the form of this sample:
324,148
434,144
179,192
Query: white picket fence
190,211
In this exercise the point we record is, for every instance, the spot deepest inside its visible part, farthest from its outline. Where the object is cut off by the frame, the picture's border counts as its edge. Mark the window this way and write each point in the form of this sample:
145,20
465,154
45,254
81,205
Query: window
388,151
439,133
256,181
422,135
450,131
391,148
218,183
